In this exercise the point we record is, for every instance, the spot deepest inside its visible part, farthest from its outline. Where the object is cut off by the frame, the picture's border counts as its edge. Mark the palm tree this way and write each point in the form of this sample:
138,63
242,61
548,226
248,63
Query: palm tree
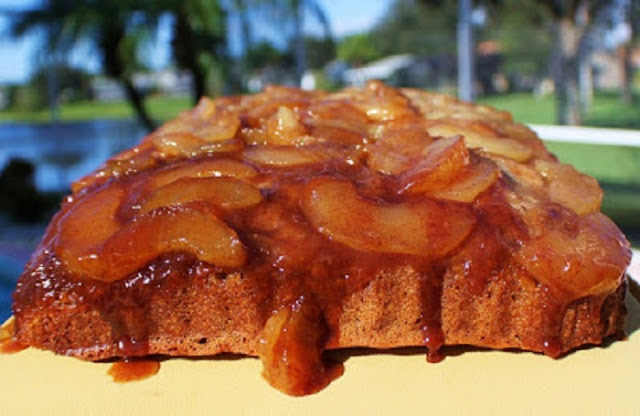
295,11
299,8
198,40
108,27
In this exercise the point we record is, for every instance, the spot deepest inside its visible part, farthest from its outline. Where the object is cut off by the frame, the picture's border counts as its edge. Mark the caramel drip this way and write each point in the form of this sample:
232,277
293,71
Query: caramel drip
133,370
8,342
11,346
432,280
292,346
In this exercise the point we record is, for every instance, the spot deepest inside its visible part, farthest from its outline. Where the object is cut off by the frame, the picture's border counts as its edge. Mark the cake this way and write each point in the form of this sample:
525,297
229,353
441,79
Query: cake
288,223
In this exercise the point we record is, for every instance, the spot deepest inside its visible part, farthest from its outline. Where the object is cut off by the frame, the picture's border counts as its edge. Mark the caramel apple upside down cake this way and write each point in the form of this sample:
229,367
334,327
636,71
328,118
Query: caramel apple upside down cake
288,223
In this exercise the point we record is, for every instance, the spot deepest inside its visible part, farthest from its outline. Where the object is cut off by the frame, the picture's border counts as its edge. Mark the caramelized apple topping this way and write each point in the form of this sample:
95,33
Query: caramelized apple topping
483,137
190,228
283,156
397,146
220,192
204,168
426,228
571,188
472,181
419,142
441,163
570,254
206,122
85,227
283,128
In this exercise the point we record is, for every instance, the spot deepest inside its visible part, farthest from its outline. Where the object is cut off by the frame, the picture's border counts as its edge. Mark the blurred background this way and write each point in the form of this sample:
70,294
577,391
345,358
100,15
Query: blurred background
83,79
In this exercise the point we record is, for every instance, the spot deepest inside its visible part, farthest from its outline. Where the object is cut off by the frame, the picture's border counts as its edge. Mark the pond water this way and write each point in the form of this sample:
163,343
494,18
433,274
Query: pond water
64,152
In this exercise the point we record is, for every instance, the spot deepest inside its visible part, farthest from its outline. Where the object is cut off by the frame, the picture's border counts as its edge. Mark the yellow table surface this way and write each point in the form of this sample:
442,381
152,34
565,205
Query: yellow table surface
594,381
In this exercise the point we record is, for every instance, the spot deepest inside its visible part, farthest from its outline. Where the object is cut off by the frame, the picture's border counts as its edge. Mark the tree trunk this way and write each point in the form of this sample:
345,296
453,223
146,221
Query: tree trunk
585,77
199,84
116,68
626,74
585,82
625,52
137,102
245,32
300,51
565,72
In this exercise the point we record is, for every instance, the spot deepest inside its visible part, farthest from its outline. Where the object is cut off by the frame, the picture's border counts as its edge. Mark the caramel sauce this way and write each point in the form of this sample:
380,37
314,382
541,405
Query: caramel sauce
11,346
8,342
302,246
133,370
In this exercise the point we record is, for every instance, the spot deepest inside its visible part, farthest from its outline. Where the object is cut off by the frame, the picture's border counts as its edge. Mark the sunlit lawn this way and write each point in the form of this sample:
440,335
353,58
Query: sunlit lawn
161,108
607,109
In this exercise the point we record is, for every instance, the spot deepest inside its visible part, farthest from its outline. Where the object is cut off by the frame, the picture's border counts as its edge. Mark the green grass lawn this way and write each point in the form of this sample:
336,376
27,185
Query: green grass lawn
524,107
615,164
607,109
161,108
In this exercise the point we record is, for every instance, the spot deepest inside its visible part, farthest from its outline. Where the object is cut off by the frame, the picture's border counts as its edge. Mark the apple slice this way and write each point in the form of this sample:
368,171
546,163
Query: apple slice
337,113
284,129
383,157
177,144
426,228
481,138
575,256
291,350
190,228
336,121
443,161
397,145
523,174
225,193
283,156
471,182
85,227
571,188
206,122
259,112
204,168
221,127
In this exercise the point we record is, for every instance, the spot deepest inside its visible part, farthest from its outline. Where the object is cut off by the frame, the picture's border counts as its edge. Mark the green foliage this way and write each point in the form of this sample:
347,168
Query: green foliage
427,27
359,49
28,98
522,28
265,54
161,108
321,51
198,40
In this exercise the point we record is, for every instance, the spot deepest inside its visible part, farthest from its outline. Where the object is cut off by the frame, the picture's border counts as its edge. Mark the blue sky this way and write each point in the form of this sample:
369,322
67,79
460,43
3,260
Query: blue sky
17,56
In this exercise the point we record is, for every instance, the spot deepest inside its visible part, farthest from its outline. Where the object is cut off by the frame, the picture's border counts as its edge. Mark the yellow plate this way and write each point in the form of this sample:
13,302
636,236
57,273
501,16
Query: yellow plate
592,381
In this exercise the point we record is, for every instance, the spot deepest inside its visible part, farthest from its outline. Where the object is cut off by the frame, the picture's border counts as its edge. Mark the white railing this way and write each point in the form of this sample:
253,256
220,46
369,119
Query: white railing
588,135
